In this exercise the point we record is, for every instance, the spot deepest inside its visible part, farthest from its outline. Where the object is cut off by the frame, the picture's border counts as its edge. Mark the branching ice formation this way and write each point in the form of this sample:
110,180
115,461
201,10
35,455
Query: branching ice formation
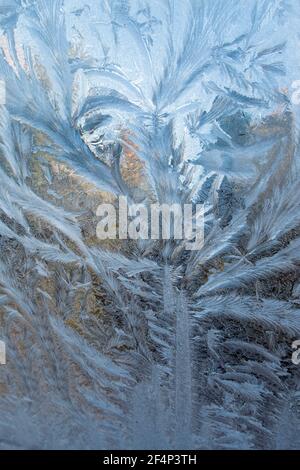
142,344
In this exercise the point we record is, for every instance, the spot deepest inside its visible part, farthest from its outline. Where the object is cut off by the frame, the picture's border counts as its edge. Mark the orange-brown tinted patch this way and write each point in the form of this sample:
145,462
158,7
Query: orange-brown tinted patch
132,168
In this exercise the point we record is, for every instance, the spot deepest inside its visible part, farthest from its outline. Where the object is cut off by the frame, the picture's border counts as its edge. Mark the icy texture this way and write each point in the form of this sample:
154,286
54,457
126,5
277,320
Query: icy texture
144,344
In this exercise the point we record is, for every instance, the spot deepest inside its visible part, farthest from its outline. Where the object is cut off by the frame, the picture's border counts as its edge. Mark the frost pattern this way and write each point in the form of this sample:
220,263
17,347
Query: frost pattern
141,344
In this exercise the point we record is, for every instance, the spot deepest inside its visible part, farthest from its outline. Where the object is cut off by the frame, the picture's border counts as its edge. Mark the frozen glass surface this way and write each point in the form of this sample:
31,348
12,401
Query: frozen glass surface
130,341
